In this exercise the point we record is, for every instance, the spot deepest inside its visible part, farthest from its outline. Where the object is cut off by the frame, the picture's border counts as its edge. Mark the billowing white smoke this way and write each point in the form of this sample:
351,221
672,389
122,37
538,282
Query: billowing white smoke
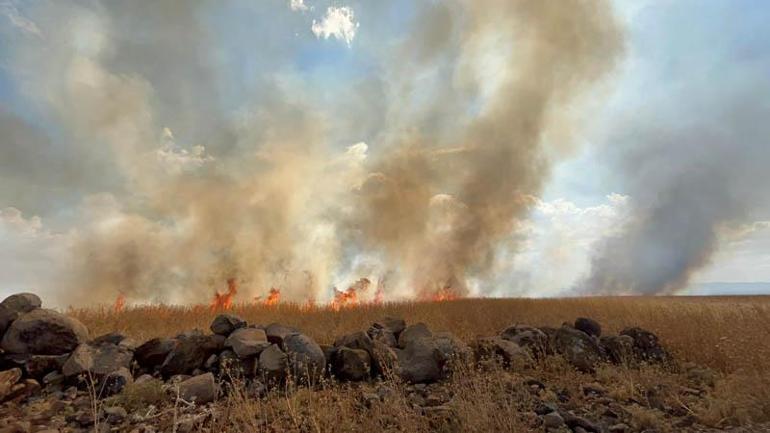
184,191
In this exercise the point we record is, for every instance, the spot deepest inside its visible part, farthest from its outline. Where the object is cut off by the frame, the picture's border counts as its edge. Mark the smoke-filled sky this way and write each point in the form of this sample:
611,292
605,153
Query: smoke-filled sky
155,149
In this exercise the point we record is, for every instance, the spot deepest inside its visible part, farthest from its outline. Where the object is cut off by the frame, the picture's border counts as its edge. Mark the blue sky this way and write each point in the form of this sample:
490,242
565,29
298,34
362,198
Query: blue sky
207,81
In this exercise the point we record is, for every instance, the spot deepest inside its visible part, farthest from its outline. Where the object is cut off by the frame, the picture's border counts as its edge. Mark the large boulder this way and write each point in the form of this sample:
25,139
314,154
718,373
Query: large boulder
578,348
44,332
190,353
351,364
499,349
420,361
589,326
356,340
233,366
392,324
413,333
382,335
453,349
273,364
99,360
22,302
619,348
224,324
384,359
276,333
528,337
201,389
152,353
647,346
306,359
247,342
14,306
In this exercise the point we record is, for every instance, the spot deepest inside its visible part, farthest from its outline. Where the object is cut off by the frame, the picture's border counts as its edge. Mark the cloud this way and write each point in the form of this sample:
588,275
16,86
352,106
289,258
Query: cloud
556,245
22,23
298,5
31,256
338,22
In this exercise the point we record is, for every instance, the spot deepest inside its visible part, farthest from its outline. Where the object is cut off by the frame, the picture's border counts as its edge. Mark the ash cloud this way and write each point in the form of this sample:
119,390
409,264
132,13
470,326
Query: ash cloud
268,188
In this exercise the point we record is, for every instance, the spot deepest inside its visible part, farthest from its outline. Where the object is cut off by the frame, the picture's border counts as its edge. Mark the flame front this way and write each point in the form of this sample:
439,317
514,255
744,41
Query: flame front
446,293
273,297
224,301
120,303
349,297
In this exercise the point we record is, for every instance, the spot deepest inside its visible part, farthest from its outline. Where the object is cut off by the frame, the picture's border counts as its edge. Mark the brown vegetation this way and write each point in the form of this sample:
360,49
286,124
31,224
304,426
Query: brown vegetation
725,333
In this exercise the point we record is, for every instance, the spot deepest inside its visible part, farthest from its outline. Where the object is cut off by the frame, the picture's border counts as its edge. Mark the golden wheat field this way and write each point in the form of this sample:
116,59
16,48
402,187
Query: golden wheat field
724,333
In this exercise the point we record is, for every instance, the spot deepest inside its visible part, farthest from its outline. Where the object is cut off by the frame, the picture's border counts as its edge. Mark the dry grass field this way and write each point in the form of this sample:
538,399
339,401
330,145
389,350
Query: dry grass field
725,333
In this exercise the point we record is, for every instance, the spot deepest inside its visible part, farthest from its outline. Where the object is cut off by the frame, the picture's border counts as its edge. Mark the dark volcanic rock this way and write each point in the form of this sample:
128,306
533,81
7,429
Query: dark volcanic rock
201,389
191,352
114,382
306,359
420,361
589,326
528,337
356,340
392,324
382,335
452,347
276,333
510,353
22,302
619,348
224,324
14,306
44,332
352,364
98,360
578,348
38,366
111,338
273,364
413,333
647,347
152,353
247,342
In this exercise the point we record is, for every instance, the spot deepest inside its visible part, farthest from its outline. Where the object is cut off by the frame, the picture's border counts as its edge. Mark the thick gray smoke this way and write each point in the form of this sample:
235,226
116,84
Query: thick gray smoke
278,189
695,168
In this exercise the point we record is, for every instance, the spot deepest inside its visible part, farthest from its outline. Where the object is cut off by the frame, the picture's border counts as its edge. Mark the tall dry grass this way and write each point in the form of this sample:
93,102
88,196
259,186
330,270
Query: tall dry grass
724,333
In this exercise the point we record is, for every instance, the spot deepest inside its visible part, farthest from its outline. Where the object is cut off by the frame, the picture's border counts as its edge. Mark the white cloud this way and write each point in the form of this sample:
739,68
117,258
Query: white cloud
339,23
17,20
553,247
31,255
176,159
298,5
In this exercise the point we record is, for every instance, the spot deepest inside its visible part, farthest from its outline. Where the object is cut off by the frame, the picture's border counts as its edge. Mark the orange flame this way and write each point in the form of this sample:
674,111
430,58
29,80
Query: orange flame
443,294
120,303
349,297
224,301
309,305
379,295
273,297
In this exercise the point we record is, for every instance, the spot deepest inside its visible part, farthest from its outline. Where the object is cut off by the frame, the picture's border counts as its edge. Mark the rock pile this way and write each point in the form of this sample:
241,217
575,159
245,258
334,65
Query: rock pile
46,350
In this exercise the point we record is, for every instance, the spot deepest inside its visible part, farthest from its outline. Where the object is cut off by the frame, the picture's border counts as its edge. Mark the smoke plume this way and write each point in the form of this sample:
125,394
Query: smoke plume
270,191
693,159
